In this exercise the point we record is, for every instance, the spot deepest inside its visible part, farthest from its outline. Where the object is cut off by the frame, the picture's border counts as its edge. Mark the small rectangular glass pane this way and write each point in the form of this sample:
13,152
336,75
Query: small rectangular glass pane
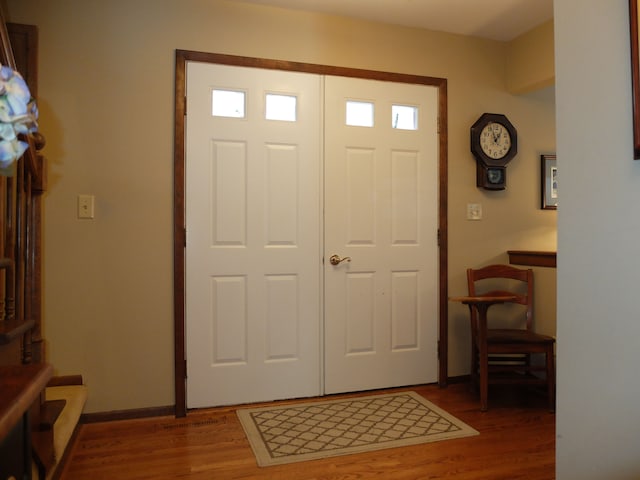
281,107
359,114
228,103
404,117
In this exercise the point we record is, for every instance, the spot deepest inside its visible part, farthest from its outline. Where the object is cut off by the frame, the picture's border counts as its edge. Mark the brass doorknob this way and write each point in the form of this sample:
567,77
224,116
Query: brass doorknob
335,259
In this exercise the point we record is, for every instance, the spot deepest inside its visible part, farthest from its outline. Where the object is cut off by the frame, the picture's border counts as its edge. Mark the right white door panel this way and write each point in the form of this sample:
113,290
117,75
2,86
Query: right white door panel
381,210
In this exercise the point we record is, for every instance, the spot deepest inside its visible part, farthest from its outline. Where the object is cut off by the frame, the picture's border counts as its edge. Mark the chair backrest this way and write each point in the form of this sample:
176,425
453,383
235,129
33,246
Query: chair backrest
506,272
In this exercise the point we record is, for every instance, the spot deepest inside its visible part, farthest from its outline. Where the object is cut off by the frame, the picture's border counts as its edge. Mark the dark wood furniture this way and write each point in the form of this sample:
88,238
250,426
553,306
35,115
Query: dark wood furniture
532,258
504,355
481,306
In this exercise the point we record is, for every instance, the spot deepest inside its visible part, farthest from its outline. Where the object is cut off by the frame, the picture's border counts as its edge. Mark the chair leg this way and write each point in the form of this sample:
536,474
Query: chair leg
484,378
474,367
551,379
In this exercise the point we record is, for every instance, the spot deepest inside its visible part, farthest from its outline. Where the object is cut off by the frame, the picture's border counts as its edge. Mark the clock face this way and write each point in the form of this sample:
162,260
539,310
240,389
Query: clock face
495,140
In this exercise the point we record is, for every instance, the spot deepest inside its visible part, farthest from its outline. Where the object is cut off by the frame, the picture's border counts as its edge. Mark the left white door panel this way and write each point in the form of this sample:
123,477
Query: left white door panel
253,257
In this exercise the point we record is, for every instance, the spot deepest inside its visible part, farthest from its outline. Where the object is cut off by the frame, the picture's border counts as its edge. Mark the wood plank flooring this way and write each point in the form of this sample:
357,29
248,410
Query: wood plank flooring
516,441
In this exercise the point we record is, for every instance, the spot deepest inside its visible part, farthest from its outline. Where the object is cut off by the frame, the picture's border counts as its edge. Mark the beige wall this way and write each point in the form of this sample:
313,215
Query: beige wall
530,60
106,102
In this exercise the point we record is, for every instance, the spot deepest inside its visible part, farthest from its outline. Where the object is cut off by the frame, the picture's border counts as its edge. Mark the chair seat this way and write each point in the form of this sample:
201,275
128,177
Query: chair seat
507,335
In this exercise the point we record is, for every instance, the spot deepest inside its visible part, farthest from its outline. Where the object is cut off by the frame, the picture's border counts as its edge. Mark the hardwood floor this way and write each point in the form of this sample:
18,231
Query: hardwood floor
516,441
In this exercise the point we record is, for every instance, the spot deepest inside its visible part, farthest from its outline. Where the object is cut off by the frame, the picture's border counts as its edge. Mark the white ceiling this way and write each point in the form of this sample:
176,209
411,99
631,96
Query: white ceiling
493,19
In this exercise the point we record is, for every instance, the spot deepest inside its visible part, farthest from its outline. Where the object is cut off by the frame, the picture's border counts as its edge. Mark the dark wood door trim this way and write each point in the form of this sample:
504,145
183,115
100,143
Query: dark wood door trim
179,227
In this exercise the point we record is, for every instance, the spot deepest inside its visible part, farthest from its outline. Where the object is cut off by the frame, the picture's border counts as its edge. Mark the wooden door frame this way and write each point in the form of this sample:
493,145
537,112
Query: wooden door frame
179,217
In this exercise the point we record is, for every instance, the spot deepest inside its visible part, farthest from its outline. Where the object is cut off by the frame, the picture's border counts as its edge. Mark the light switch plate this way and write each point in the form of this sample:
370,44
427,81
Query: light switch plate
474,211
85,206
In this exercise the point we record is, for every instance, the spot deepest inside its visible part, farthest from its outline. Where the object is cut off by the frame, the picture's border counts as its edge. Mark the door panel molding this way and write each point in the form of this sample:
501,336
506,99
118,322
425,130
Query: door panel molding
179,227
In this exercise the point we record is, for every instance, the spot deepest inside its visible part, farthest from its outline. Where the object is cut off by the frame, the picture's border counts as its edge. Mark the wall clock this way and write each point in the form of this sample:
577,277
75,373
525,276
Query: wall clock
494,143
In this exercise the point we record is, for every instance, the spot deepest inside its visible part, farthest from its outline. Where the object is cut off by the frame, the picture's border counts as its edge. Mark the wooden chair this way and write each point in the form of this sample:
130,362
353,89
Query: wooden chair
503,355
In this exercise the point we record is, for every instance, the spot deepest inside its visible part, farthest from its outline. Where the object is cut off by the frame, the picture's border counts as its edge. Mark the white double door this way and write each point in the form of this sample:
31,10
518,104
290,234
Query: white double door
270,199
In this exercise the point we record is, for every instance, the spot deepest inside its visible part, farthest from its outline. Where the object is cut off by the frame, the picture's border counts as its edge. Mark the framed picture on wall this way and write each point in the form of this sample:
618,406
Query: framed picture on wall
549,182
635,76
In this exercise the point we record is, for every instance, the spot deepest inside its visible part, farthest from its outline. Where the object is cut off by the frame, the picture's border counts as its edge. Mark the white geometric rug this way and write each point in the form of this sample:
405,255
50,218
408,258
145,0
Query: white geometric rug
312,430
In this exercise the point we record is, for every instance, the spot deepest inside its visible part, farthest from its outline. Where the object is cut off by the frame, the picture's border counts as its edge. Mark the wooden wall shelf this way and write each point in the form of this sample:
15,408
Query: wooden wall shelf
532,258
